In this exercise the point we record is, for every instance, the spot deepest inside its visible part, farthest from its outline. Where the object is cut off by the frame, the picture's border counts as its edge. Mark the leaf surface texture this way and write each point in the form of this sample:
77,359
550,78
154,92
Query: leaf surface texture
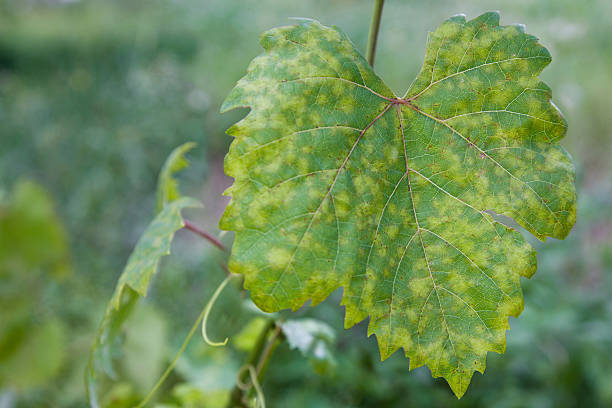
340,183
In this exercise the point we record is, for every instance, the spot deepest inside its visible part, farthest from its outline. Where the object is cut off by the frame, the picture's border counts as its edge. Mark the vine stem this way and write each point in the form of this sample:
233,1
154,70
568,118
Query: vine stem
374,27
259,358
265,356
207,236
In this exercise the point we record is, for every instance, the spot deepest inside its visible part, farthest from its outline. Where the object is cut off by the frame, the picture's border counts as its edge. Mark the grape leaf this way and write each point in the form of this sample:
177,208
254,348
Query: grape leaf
167,185
133,282
153,244
340,183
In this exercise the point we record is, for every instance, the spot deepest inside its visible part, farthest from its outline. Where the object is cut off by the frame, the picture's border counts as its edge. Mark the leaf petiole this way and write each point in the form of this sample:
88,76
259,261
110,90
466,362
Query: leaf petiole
207,236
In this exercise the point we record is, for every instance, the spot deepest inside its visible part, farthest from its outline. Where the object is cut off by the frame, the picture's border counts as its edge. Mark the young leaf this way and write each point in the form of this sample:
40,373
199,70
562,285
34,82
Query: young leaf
340,183
133,282
167,185
153,244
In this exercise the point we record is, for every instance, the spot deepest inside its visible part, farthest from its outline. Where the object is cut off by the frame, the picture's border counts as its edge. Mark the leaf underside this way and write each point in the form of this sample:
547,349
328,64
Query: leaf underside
340,183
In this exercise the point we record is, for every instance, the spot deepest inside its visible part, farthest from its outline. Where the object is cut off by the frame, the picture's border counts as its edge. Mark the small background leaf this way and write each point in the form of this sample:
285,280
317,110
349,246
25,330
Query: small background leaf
314,339
33,253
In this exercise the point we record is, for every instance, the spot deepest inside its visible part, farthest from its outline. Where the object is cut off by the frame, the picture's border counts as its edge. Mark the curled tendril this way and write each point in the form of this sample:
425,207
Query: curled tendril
207,309
261,402
203,316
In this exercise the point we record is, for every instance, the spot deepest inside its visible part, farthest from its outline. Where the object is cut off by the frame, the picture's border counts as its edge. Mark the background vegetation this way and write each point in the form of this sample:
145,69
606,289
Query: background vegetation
95,94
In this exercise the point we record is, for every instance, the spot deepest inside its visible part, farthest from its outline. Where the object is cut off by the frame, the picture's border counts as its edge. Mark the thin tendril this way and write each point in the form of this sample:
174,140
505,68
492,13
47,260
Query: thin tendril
202,317
207,310
174,361
254,383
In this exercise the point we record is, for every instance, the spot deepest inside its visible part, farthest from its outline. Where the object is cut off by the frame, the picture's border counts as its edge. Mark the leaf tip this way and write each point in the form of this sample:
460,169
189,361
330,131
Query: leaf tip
458,18
303,20
520,27
490,18
459,382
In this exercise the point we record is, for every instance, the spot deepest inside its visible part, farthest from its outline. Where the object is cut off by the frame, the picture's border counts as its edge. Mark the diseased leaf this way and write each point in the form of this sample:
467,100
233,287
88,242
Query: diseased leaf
340,183
153,244
167,185
133,282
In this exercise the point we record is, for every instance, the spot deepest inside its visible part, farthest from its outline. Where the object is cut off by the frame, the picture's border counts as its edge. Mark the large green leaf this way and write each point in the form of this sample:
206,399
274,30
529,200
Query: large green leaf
340,183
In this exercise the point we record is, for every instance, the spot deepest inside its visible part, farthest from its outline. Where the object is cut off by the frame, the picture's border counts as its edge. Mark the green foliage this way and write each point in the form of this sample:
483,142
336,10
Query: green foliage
167,185
153,244
246,338
33,252
33,239
340,183
94,96
144,347
189,396
36,357
133,282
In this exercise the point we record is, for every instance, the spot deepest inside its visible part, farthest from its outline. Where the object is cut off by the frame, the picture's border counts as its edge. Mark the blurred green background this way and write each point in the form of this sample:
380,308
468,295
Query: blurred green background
95,94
